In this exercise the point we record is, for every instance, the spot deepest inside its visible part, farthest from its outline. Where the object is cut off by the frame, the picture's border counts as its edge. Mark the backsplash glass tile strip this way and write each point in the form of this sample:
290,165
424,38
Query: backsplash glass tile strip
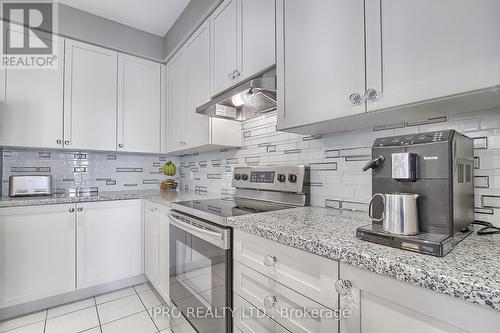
336,159
87,171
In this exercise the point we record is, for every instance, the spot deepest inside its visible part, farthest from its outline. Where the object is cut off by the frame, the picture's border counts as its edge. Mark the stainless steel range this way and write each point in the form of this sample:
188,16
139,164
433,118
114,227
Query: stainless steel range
201,241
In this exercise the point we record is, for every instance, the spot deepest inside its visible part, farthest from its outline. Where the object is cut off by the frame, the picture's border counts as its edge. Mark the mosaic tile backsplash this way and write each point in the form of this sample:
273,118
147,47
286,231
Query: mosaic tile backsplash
87,172
336,160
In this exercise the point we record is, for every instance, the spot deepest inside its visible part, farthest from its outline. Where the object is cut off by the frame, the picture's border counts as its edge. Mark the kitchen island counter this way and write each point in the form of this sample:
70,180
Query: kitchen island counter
471,272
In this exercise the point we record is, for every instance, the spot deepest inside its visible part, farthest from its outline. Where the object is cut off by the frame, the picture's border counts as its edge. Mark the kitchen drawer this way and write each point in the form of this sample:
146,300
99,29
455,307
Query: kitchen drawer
247,319
308,274
280,302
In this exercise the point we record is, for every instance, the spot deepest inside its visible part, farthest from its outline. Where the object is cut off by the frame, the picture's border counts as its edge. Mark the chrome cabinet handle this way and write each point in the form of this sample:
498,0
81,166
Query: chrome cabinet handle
236,73
270,261
79,209
371,95
270,301
343,287
67,142
59,141
120,145
355,99
71,210
231,76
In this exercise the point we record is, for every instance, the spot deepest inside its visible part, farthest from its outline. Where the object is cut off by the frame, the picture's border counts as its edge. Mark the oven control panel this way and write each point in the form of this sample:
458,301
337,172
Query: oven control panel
273,178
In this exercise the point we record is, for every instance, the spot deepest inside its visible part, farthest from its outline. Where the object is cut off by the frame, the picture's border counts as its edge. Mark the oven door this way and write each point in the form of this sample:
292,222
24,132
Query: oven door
201,272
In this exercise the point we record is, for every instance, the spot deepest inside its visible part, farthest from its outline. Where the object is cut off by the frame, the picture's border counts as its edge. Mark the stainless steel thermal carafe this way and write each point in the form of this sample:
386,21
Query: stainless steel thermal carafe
400,214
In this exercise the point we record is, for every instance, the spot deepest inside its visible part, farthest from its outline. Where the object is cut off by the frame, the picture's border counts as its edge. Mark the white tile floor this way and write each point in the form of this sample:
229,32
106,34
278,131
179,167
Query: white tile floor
122,311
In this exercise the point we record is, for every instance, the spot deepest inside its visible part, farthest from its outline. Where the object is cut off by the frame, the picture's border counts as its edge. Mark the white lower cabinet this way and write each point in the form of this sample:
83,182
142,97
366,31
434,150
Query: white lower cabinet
163,253
380,304
156,246
308,274
109,242
151,242
283,304
282,281
272,278
37,253
247,319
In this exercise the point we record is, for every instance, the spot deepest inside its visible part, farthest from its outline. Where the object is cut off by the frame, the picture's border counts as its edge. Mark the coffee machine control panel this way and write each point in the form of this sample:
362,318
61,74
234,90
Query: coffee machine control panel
414,139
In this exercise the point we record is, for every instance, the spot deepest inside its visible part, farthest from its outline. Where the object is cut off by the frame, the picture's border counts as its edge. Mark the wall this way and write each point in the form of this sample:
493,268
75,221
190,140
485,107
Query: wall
87,27
190,19
336,161
91,28
86,171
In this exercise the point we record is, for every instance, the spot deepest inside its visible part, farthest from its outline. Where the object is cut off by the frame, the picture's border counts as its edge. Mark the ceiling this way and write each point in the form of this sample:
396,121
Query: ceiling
154,16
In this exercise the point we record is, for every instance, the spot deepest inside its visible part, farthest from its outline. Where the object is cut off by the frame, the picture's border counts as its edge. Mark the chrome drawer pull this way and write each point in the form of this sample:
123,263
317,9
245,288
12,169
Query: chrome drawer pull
270,301
270,261
343,287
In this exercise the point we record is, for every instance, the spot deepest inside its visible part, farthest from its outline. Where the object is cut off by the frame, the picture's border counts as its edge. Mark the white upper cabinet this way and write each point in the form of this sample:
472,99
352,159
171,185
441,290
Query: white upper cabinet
90,103
243,41
32,115
109,242
321,60
139,104
258,36
422,50
198,85
163,110
188,86
176,102
37,247
224,39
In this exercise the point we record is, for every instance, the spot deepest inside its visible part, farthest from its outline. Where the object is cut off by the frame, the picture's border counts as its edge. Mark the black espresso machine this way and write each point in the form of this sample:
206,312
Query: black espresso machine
438,167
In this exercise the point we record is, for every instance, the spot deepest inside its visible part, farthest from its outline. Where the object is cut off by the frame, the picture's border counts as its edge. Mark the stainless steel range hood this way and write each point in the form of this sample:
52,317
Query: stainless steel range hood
249,99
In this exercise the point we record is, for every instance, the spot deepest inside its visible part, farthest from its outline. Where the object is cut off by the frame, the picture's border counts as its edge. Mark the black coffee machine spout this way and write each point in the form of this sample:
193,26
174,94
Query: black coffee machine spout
373,164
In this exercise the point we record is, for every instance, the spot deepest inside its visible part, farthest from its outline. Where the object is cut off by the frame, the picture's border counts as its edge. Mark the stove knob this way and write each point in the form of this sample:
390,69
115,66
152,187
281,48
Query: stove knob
237,176
292,178
244,177
281,178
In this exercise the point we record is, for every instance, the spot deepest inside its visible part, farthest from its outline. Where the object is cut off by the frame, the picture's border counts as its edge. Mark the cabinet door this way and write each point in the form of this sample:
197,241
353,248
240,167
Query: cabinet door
90,90
139,105
258,36
37,251
33,112
224,42
262,291
163,117
176,102
249,319
321,60
197,53
151,242
377,303
109,240
163,252
422,50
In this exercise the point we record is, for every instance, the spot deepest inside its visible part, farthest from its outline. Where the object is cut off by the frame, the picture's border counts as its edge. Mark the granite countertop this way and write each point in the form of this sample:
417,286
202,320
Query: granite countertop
471,272
153,195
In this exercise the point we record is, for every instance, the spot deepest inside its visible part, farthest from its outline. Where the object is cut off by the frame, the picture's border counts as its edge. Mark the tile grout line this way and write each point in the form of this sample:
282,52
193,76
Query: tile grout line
147,311
130,315
98,317
46,318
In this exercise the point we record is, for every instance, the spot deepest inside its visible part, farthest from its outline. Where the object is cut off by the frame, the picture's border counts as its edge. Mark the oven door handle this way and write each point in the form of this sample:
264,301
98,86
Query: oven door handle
220,239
